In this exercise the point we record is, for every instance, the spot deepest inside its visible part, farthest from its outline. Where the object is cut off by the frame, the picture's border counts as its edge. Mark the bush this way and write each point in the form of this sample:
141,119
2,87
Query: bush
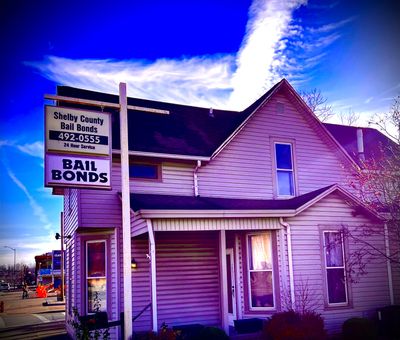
359,329
295,326
212,333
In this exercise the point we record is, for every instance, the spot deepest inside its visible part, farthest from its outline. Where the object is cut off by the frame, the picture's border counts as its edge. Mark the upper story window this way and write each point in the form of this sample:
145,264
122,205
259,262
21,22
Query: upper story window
335,268
144,171
284,169
260,271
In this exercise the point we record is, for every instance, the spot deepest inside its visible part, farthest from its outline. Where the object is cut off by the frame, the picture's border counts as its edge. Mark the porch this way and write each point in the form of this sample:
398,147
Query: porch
198,274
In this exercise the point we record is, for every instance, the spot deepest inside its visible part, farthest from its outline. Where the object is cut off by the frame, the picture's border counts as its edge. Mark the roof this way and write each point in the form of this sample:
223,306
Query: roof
374,140
186,130
169,202
168,206
192,131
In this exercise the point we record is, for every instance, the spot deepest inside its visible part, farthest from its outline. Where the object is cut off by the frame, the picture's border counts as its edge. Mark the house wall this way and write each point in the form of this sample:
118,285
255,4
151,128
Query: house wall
72,256
101,208
366,295
244,169
188,282
141,285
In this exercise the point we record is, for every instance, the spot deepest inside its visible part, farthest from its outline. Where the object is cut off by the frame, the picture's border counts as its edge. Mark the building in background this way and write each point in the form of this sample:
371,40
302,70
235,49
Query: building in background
48,268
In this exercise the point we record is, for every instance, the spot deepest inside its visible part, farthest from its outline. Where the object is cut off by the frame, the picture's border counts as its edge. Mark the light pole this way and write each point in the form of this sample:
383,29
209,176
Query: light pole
15,256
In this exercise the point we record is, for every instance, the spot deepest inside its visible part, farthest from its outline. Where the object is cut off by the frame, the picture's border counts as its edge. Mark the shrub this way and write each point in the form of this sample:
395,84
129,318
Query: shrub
359,329
212,333
291,325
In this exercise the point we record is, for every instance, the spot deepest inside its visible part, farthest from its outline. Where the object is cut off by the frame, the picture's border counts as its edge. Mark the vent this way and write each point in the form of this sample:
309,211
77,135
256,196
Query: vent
280,108
211,112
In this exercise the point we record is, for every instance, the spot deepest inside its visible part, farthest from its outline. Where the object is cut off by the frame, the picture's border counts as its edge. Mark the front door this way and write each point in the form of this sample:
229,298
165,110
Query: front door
230,272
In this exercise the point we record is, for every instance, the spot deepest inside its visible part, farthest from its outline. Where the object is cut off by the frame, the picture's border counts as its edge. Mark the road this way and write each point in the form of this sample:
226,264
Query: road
29,319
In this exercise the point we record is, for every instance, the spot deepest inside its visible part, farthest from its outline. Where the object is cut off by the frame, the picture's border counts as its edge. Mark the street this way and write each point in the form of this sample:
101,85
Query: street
29,319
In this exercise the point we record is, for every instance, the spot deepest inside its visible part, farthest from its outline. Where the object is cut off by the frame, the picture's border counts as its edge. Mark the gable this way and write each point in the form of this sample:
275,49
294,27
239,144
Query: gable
245,166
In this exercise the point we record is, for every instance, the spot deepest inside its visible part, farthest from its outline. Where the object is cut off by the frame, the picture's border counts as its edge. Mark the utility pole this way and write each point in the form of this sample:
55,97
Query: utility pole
126,212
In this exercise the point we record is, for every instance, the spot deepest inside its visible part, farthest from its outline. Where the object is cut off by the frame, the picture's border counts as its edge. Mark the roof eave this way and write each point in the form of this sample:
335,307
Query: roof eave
166,213
164,155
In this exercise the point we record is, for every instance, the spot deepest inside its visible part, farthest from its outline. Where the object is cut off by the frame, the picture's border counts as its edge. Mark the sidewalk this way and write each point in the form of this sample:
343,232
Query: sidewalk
28,318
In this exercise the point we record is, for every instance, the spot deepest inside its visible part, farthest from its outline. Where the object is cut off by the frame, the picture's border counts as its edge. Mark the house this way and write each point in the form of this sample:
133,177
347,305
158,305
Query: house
240,210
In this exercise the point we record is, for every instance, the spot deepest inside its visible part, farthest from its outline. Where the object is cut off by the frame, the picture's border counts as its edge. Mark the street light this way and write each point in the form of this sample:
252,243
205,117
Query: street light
15,256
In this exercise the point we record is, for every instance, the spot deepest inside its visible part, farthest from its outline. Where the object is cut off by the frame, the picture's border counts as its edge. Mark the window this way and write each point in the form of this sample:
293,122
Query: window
260,273
284,169
335,268
144,171
96,275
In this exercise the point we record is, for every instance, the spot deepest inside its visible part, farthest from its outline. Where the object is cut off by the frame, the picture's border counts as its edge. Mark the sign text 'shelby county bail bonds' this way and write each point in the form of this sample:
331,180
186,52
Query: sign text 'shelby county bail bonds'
77,131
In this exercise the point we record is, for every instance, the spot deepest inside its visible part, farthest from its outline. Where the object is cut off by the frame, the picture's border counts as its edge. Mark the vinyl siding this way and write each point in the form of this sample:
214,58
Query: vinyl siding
71,222
141,285
188,282
138,225
368,294
102,208
244,169
215,224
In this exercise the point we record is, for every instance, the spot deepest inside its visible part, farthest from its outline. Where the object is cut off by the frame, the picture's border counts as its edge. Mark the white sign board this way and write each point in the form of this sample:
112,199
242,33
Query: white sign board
76,171
77,131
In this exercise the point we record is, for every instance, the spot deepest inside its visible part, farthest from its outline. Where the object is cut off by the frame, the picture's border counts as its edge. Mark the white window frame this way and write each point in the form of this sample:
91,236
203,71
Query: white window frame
284,170
262,270
326,268
96,277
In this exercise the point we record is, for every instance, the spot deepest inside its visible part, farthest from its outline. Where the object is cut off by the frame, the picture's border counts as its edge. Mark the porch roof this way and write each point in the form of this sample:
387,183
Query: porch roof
168,206
170,202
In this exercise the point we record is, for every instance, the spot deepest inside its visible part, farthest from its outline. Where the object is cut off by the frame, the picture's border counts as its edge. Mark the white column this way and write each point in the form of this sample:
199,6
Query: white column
224,283
153,275
126,215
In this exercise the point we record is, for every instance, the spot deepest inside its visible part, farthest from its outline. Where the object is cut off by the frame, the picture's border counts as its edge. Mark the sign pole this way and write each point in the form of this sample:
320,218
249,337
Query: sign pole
62,258
126,220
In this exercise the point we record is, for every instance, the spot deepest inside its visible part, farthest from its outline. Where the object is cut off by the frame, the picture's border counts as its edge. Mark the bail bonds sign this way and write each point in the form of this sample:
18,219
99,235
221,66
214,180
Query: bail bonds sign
77,131
78,148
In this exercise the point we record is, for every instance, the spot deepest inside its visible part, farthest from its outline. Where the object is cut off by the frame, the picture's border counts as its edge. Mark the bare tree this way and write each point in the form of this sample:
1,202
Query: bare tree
317,103
389,122
377,182
307,298
349,117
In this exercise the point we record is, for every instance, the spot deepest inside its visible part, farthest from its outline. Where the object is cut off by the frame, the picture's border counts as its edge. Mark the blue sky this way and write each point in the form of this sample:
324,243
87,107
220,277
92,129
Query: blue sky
219,53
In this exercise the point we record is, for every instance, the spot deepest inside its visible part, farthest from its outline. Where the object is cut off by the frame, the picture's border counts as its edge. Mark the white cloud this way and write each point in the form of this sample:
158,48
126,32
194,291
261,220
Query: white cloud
188,81
274,46
38,210
331,26
258,66
35,149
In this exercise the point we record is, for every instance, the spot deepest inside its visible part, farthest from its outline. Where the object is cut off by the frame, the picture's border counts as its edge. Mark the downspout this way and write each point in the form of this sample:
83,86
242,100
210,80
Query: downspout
388,264
153,275
196,179
290,259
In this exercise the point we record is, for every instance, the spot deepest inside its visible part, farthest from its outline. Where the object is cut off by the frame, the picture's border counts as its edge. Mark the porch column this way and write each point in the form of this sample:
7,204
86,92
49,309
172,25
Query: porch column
153,275
224,283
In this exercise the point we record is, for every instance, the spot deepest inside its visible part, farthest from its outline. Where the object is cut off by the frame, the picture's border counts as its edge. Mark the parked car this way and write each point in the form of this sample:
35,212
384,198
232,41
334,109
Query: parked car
5,287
